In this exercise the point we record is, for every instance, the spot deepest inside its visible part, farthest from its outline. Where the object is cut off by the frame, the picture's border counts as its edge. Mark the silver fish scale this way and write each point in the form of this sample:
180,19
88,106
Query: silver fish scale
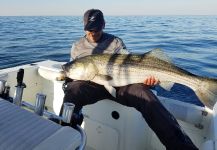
134,63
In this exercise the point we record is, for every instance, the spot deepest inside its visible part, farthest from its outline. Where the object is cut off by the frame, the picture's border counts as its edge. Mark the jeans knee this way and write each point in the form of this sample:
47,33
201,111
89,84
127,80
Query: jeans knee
73,91
139,91
75,87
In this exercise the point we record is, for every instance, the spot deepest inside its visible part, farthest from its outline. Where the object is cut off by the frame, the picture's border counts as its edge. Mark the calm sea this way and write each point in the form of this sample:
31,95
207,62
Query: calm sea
190,41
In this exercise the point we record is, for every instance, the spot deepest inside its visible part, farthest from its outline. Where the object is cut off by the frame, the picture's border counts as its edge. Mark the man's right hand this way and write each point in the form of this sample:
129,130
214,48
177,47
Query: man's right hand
151,81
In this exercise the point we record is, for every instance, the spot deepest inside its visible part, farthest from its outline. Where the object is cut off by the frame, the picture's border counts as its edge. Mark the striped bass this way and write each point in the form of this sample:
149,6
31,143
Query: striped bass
113,70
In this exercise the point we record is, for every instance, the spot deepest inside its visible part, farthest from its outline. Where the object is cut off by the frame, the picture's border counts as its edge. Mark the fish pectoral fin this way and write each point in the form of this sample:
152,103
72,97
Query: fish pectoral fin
166,85
104,77
111,90
104,80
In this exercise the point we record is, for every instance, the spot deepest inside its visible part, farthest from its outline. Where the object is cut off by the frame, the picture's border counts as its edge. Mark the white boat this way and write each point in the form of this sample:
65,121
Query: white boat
107,124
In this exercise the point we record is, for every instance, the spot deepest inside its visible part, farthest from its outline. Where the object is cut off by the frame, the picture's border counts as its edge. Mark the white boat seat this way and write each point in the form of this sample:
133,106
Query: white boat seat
23,130
186,112
50,70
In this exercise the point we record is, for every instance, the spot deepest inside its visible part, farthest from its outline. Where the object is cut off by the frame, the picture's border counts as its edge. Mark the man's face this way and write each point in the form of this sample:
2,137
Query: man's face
93,36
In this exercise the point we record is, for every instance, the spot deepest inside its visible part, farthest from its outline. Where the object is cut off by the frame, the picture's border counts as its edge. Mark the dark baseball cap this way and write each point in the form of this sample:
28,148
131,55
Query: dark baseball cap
93,20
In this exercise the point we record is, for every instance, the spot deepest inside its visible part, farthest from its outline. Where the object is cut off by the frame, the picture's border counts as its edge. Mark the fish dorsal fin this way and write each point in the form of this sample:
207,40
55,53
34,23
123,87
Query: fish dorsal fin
158,53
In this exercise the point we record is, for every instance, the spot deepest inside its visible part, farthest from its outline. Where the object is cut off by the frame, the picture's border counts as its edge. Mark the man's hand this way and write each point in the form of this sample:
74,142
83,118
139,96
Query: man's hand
151,81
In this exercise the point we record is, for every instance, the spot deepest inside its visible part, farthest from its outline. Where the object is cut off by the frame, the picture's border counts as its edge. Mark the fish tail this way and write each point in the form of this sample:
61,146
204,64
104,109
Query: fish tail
207,92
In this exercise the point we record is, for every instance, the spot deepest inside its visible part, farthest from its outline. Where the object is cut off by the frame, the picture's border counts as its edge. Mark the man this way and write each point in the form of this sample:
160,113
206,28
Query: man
138,96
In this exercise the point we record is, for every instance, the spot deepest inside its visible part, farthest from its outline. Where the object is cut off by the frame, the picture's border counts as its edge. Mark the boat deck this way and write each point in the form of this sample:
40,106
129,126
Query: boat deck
109,125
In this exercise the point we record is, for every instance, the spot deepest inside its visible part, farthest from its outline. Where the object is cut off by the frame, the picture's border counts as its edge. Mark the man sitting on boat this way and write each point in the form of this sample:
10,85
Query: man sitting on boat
139,96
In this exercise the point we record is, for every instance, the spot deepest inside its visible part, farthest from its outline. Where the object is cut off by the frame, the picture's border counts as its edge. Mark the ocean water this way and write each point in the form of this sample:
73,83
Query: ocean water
190,41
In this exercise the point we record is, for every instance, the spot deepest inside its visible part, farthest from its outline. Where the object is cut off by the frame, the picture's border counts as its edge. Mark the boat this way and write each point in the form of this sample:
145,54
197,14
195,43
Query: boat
107,125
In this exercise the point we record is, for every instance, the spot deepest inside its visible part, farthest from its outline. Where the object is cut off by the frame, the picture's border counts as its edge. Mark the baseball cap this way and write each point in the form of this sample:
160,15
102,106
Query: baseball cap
93,20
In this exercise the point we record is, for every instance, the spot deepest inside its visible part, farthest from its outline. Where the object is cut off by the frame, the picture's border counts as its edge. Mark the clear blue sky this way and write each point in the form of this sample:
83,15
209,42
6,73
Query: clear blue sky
109,7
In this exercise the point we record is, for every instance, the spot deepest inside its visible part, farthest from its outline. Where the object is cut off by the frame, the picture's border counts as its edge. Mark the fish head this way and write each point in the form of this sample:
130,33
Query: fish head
80,69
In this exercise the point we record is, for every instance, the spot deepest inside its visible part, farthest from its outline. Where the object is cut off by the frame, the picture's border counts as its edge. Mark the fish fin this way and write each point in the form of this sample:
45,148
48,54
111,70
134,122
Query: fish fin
104,77
158,53
111,90
166,85
207,93
104,80
205,98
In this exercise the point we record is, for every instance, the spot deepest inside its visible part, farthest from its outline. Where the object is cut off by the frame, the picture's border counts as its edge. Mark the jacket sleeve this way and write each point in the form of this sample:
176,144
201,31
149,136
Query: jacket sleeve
121,47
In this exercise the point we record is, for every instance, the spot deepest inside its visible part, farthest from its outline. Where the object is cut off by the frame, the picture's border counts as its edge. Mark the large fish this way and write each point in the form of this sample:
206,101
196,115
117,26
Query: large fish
113,70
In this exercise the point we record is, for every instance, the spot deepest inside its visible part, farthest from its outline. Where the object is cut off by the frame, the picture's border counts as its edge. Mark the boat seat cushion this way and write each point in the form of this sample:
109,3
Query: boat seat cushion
50,70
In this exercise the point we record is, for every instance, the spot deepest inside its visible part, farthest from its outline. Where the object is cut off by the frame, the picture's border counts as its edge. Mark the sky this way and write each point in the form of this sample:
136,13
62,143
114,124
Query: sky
109,7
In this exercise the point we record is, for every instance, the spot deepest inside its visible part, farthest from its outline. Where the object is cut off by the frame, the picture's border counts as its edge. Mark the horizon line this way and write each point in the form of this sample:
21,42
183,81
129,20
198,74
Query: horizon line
109,15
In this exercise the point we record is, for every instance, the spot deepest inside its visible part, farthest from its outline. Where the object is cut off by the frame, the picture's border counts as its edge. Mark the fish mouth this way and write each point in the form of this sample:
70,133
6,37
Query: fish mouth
63,71
66,67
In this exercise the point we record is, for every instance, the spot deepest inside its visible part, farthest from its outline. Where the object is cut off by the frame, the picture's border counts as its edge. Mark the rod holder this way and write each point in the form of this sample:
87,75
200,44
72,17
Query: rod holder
39,104
18,95
2,86
52,115
68,109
